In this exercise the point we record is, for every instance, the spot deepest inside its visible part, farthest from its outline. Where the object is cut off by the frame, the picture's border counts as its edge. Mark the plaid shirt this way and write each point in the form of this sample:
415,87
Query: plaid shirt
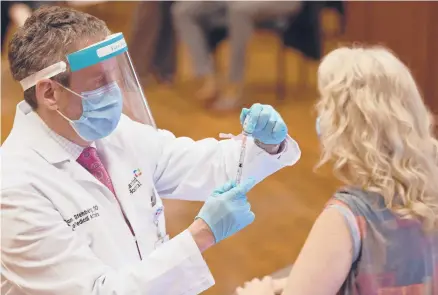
396,256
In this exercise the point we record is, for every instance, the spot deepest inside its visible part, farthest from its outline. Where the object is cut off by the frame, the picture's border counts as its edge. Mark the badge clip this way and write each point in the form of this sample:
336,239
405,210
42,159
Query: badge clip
161,241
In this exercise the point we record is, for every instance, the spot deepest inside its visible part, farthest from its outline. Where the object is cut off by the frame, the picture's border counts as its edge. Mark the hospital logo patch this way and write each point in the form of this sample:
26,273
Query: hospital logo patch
137,172
135,183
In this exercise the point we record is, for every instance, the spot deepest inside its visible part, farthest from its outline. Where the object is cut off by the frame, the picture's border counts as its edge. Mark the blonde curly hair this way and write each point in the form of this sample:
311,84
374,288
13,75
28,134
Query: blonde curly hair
377,131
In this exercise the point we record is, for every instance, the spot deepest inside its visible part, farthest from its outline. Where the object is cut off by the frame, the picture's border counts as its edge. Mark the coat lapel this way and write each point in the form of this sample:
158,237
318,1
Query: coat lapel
132,184
28,125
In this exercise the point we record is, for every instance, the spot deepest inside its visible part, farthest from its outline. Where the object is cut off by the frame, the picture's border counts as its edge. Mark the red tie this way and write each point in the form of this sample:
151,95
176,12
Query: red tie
89,159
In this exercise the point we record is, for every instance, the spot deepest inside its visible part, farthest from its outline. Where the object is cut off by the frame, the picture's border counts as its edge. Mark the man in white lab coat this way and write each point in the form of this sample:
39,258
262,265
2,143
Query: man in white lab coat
82,183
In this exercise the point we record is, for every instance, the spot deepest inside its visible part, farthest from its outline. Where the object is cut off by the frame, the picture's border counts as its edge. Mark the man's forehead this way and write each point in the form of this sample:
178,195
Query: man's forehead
93,74
99,68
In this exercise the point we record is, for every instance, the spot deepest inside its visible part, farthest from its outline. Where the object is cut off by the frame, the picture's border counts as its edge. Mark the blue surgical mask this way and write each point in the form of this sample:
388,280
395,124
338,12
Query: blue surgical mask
101,112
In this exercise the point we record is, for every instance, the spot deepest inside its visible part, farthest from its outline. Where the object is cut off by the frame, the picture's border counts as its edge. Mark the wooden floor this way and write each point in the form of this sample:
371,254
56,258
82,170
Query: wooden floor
286,204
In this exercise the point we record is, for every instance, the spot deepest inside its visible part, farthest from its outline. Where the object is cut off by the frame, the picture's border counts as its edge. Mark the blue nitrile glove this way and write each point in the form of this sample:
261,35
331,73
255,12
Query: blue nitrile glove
227,210
264,123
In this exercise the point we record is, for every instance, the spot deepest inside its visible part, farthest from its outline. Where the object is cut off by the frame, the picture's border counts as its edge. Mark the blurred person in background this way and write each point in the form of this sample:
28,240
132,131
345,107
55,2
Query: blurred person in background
15,12
18,11
190,21
153,48
379,234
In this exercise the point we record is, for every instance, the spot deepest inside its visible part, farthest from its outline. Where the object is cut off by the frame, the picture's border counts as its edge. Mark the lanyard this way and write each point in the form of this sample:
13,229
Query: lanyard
158,210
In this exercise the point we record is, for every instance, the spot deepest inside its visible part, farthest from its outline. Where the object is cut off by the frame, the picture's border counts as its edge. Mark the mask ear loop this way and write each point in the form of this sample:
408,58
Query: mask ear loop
73,92
69,90
64,116
47,73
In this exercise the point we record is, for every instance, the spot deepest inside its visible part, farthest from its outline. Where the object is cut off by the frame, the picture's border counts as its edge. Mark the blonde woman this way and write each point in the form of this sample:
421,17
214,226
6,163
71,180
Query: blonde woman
378,235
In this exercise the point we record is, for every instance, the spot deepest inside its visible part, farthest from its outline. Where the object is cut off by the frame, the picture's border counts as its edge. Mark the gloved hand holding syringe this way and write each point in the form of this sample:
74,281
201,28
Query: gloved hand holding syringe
265,125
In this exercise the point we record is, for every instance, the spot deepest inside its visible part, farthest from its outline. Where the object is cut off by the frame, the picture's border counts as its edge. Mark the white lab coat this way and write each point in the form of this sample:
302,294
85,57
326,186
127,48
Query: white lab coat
44,191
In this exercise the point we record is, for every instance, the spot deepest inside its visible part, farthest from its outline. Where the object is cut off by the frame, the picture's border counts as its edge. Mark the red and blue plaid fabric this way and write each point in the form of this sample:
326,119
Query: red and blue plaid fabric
397,257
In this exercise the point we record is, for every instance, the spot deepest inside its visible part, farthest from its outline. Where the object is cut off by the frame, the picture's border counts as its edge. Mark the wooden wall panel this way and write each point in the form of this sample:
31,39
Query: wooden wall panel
410,29
432,74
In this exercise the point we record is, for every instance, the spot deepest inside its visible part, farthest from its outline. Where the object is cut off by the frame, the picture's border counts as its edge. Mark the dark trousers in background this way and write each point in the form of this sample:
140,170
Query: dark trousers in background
153,45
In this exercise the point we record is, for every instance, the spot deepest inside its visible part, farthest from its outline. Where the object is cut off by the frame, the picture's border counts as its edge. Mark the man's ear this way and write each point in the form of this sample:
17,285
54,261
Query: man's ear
45,93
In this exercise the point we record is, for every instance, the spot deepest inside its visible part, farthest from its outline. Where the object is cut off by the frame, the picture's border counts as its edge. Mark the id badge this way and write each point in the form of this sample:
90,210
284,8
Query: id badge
161,241
161,232
153,198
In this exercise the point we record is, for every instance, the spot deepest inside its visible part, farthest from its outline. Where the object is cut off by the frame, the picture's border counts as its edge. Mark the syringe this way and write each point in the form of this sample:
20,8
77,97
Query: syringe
242,152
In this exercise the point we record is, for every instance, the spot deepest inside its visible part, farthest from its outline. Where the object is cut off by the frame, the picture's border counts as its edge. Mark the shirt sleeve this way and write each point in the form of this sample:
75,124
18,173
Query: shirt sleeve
191,170
42,255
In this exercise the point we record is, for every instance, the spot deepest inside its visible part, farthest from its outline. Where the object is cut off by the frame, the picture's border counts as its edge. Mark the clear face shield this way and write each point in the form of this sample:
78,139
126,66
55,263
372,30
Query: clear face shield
102,84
